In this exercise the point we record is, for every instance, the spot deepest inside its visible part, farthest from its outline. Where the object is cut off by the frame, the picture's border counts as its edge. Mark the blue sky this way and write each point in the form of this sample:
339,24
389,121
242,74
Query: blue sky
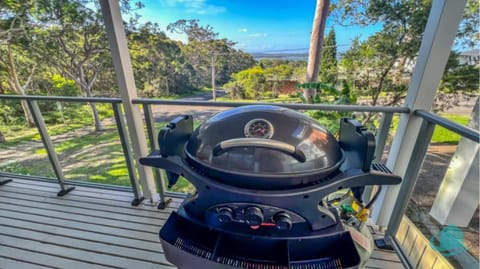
256,26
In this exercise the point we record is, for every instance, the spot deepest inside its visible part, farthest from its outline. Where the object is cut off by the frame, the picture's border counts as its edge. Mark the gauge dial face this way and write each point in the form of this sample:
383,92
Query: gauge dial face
259,128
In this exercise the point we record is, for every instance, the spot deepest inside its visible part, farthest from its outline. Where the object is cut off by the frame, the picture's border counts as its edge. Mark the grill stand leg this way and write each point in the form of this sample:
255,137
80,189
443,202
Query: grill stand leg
164,204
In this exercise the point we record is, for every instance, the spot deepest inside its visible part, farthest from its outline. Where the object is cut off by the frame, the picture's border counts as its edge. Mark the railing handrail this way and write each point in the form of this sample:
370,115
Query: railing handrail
355,108
464,131
109,100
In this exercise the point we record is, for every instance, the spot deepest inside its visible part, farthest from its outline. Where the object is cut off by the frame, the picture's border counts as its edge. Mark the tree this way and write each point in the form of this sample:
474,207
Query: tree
316,43
459,77
76,45
160,66
213,59
249,83
328,65
16,67
380,63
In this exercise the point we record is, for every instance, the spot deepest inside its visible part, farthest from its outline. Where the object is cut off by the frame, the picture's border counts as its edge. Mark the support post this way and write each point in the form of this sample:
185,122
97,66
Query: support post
159,176
458,196
47,142
440,32
132,173
410,177
126,84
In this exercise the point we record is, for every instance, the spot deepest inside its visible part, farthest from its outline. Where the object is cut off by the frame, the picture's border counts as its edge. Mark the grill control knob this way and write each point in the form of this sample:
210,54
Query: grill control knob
225,214
253,215
282,221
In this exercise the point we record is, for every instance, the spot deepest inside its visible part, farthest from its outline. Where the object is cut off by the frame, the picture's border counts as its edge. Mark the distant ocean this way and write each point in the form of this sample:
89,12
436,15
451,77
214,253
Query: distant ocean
281,56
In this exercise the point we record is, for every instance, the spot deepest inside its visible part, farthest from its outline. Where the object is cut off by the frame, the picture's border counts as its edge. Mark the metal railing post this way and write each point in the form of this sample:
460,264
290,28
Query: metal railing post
122,133
159,176
47,142
381,140
411,174
382,135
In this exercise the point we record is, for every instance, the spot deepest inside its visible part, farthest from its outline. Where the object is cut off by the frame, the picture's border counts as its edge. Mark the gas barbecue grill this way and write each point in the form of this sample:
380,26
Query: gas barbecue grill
264,177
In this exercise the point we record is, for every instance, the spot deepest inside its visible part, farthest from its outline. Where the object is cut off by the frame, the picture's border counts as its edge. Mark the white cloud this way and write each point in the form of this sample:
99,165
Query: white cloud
195,6
244,30
258,35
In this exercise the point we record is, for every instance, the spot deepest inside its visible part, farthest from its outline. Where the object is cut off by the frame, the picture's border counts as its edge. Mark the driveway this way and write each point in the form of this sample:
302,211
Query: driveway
165,113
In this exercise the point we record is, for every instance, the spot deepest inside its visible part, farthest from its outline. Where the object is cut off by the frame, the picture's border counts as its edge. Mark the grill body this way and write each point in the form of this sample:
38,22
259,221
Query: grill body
245,213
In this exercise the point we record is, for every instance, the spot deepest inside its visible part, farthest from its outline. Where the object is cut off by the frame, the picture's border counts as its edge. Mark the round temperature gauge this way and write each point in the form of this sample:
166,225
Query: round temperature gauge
259,128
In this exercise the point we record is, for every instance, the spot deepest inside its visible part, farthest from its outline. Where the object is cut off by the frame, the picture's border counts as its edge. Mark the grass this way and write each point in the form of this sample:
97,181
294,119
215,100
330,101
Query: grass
18,133
441,135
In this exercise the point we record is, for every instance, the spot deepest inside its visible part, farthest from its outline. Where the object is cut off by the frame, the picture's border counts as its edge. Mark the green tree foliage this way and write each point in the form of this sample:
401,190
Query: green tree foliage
459,77
247,84
328,65
379,63
468,35
17,66
205,49
46,45
383,63
75,44
160,67
265,79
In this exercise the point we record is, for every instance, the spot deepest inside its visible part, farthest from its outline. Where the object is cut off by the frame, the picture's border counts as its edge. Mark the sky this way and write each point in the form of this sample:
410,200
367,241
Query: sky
274,26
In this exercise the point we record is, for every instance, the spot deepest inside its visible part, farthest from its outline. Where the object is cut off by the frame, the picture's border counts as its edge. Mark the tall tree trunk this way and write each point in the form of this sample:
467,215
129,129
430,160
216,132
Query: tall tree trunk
316,43
14,83
96,117
27,113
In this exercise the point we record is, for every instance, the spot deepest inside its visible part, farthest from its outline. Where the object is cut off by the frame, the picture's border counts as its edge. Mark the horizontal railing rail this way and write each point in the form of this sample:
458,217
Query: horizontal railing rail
73,99
355,108
464,131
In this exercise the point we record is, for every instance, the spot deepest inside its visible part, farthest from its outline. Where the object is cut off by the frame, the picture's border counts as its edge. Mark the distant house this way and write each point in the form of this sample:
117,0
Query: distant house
469,57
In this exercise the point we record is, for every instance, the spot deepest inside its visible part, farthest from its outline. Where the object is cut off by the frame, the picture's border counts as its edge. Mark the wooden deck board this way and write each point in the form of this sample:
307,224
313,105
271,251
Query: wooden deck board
8,263
89,228
95,211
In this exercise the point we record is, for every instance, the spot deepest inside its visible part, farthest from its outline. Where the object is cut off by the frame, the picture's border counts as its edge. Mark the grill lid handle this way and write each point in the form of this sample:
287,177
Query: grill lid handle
283,147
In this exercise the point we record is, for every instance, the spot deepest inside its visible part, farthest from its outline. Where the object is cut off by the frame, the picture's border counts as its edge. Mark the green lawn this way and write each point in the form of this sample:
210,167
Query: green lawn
441,135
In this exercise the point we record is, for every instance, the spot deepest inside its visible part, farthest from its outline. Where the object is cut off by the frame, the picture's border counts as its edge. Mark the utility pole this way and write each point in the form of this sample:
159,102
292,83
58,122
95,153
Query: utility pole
214,93
316,42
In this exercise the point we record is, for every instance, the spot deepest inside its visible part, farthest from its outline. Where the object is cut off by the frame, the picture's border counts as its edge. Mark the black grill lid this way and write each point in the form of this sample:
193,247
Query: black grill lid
264,141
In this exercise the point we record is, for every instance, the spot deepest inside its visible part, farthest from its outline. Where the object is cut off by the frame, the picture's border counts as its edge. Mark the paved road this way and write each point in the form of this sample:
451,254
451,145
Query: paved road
163,113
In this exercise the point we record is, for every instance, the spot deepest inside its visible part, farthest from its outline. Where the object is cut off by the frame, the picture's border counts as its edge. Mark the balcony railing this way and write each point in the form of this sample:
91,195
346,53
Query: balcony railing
429,121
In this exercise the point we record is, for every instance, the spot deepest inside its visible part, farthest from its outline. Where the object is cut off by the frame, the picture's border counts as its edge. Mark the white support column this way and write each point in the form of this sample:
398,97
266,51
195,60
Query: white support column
458,196
126,84
438,38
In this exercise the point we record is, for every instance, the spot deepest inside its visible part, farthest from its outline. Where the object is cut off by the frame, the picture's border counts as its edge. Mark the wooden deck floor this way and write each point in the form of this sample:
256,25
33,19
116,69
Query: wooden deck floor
89,228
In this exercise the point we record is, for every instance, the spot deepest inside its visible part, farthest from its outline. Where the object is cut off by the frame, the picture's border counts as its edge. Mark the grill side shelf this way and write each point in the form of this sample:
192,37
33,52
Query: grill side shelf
381,168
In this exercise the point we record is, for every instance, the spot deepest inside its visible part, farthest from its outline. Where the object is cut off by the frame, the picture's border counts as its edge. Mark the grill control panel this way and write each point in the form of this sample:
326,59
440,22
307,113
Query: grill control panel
256,215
